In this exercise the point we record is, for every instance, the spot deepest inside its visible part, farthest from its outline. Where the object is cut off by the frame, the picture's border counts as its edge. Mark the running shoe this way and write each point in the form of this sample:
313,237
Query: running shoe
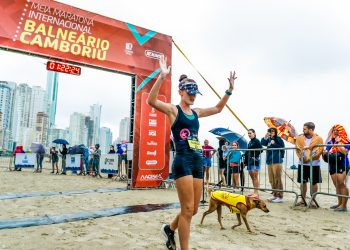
169,236
278,200
272,199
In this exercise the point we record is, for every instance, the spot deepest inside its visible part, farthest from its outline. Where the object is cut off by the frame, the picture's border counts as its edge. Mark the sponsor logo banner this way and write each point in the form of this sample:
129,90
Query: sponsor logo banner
73,162
25,160
109,163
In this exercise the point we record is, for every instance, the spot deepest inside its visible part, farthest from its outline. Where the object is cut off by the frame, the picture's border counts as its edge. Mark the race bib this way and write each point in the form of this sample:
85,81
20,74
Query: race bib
194,144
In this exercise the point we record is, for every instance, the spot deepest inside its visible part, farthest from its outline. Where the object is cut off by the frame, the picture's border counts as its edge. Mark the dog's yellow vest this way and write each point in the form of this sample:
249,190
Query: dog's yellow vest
229,199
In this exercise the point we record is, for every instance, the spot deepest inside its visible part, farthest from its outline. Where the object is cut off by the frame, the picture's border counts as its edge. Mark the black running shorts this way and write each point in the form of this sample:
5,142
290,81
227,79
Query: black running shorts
188,163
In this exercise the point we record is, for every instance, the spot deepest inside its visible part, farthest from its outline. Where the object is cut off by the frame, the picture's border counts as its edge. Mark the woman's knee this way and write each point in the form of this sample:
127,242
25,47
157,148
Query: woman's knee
188,211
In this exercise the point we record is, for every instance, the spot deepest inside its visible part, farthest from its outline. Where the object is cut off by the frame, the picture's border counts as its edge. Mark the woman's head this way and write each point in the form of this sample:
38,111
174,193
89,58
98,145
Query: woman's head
235,145
188,89
111,147
338,131
251,133
272,131
206,142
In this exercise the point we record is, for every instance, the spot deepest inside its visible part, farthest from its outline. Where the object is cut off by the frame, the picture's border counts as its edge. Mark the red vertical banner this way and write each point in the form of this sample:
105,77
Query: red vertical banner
152,136
153,167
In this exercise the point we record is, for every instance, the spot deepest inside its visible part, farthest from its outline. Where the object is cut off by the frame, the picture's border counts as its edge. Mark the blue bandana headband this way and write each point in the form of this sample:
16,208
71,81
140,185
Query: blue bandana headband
190,87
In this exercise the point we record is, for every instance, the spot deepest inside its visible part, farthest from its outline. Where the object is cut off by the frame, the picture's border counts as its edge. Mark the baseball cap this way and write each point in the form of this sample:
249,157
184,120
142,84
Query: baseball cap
190,87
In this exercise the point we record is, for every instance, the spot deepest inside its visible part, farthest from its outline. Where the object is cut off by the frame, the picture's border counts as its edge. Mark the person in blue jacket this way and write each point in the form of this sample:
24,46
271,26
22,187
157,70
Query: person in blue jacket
274,160
234,159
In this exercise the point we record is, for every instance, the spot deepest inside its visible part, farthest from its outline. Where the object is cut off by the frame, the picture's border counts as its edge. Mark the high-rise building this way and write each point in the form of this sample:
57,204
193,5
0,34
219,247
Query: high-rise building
95,115
42,125
51,96
27,136
56,133
106,139
7,92
77,129
37,104
124,129
89,124
21,111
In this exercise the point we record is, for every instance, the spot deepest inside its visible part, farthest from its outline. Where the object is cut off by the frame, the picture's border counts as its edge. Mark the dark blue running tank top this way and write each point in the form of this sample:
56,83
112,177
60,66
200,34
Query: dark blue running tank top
182,128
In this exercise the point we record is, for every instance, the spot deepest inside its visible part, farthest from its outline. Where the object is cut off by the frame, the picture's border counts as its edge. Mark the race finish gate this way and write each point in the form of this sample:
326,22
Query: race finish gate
61,32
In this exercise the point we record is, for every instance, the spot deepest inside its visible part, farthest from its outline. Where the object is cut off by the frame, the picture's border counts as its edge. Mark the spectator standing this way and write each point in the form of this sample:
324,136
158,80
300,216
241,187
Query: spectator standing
274,160
305,143
39,162
208,152
54,159
18,150
338,163
234,160
111,151
96,155
119,152
252,160
63,152
225,150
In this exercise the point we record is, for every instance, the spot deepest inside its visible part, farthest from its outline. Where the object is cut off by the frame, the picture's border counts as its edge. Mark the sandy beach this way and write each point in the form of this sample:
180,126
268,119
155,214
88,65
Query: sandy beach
282,228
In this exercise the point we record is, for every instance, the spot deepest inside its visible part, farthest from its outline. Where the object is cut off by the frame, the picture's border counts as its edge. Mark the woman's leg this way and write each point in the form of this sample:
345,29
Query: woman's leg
186,188
235,180
222,175
342,189
207,175
335,182
254,176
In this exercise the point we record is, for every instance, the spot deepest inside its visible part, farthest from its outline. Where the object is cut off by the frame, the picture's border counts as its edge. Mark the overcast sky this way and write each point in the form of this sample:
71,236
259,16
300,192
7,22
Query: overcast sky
292,59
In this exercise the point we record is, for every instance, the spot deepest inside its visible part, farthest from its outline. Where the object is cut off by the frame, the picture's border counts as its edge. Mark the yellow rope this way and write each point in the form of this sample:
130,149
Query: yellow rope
233,113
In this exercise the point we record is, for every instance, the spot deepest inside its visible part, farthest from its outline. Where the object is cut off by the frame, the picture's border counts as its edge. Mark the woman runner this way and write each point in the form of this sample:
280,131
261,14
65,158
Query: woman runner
187,167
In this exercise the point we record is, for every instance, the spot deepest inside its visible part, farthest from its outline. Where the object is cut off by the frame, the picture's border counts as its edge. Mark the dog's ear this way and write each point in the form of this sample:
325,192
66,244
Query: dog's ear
256,202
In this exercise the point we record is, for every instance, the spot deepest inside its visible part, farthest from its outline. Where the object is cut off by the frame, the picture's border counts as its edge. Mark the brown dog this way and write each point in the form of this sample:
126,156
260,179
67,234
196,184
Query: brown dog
239,204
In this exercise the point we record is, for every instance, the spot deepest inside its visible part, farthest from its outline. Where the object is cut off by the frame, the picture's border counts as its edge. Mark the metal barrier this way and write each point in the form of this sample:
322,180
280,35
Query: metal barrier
289,165
6,162
329,190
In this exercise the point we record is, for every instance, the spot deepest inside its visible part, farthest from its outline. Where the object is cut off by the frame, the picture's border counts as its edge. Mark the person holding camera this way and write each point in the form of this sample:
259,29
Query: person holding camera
274,159
338,163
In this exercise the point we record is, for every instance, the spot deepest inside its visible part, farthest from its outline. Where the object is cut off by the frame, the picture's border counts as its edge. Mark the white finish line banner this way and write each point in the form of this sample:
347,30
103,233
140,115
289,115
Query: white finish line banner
25,160
73,162
109,163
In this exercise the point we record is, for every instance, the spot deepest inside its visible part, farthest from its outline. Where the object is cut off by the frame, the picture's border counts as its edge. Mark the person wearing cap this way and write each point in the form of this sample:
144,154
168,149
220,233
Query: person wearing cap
187,166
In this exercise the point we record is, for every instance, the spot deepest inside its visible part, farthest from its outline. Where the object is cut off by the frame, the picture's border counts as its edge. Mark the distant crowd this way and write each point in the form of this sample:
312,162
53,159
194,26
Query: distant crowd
90,159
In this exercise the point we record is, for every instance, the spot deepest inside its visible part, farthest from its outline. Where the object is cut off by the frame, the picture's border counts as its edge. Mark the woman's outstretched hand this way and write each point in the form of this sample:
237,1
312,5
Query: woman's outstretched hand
164,70
231,80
